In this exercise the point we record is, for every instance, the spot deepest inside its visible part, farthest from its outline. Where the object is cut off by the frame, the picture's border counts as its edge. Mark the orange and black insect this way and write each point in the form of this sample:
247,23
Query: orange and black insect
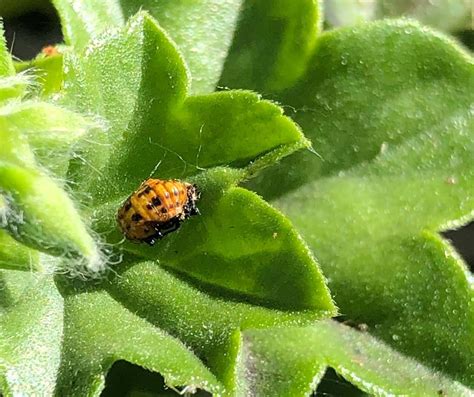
157,208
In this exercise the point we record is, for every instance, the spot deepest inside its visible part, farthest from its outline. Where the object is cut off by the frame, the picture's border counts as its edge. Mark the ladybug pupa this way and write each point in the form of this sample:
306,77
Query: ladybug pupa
156,208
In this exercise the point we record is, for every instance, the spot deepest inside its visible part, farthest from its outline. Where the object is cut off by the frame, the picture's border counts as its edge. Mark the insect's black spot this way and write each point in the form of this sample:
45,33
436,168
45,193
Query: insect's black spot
164,210
127,206
128,227
149,206
146,190
156,201
136,217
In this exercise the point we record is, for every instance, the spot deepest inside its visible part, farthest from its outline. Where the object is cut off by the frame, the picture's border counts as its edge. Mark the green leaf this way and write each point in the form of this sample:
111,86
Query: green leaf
15,282
6,63
122,89
84,20
267,357
32,201
14,255
363,88
11,86
30,335
126,318
100,331
14,87
203,40
221,129
15,148
272,44
50,130
47,71
97,332
389,108
206,321
402,97
202,30
34,205
153,126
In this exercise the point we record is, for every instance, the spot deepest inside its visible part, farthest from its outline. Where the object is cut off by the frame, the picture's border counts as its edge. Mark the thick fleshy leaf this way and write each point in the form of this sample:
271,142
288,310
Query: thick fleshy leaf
272,45
100,331
14,255
122,89
15,148
14,87
47,70
197,304
153,128
231,128
202,30
50,130
389,107
30,341
206,321
6,63
14,283
358,84
65,343
32,201
220,252
81,21
35,202
11,86
126,318
268,356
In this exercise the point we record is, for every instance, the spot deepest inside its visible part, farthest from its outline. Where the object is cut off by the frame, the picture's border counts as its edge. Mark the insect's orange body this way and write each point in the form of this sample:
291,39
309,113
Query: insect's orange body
157,208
